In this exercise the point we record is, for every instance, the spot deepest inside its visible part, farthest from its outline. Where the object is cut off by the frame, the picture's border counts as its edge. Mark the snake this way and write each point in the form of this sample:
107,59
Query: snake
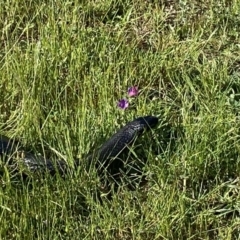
106,157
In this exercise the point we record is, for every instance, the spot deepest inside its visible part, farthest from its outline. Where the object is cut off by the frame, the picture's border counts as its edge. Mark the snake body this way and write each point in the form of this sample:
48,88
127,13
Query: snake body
103,157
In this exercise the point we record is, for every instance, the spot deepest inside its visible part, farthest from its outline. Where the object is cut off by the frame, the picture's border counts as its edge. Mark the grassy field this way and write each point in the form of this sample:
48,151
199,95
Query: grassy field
65,65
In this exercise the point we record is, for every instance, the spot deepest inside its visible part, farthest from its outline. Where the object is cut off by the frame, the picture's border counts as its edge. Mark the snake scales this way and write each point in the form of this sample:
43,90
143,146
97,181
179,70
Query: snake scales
106,157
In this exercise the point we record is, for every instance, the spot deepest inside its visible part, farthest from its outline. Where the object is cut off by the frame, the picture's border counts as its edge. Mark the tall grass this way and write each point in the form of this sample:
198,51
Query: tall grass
64,65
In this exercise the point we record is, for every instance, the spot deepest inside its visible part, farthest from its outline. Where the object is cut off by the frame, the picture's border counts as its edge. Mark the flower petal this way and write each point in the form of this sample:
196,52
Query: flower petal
133,91
123,103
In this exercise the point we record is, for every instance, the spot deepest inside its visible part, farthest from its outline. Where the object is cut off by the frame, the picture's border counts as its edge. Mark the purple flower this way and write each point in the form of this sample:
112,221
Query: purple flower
123,103
133,91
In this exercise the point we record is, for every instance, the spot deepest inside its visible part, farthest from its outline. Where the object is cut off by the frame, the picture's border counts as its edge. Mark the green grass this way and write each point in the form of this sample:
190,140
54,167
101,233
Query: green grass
63,67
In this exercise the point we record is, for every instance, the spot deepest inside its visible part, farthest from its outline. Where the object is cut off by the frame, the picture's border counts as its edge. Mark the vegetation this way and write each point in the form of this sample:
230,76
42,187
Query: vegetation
64,66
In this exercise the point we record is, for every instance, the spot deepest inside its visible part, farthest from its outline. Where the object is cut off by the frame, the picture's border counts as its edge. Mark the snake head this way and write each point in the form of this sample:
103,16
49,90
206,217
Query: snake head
142,123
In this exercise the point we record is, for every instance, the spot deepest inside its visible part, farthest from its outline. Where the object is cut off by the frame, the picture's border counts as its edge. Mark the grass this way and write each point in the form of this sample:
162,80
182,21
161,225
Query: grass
64,65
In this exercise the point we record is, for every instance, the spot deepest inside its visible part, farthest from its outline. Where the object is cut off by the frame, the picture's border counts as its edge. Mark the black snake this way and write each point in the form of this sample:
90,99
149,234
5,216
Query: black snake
106,157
